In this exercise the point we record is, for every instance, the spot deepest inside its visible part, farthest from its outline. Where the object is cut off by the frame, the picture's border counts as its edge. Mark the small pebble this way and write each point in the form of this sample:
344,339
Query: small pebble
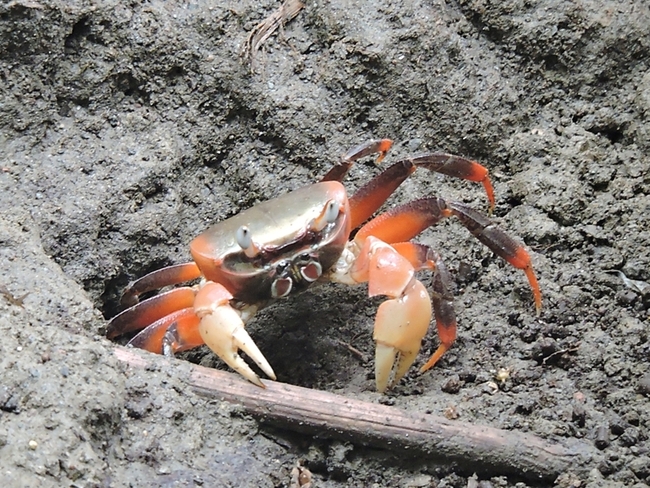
602,437
644,384
452,385
579,414
33,445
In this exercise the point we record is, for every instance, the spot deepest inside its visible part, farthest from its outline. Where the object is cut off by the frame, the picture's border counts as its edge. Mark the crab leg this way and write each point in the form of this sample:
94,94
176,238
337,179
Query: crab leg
378,146
222,329
373,194
174,333
406,221
149,311
171,275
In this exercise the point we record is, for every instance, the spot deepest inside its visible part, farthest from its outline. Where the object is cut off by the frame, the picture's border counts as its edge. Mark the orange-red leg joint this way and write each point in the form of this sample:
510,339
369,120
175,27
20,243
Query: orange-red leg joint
480,173
222,329
149,311
174,333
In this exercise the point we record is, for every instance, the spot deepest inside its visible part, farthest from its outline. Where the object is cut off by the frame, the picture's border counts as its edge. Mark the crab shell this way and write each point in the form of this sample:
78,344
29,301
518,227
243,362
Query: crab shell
289,247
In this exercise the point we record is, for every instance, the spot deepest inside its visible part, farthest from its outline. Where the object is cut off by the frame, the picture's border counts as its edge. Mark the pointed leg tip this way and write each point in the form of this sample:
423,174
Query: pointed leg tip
442,348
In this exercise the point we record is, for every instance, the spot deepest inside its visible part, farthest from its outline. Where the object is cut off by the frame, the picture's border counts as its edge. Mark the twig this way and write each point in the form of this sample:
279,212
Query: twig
560,352
262,31
14,300
472,448
354,351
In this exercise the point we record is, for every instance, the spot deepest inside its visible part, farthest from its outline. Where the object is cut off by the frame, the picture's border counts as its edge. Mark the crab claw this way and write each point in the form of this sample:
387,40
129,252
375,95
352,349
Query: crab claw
222,329
403,320
400,325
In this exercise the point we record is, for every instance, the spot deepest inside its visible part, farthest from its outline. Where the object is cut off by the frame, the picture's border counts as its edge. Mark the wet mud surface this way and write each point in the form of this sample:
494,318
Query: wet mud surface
127,128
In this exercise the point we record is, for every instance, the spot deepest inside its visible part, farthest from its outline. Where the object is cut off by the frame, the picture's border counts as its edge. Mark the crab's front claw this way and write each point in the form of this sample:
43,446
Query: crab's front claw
222,329
400,325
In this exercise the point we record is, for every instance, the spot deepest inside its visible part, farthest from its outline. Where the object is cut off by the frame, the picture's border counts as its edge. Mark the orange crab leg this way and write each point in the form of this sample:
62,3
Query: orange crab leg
174,333
420,256
379,146
365,202
404,222
171,275
499,243
149,311
373,194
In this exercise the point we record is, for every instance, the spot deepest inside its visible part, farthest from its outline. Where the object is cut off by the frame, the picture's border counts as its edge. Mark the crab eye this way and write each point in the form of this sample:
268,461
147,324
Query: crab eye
327,216
244,238
332,211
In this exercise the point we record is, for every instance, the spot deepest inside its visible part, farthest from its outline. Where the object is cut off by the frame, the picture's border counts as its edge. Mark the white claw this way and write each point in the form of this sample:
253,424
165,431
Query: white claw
384,359
400,325
390,360
223,331
246,344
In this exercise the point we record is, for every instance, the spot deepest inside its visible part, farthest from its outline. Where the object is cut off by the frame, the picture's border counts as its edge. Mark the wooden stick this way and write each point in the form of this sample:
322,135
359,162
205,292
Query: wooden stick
487,451
262,31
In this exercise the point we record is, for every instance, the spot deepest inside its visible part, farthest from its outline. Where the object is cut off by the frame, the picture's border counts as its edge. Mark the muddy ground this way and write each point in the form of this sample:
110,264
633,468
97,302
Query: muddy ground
126,128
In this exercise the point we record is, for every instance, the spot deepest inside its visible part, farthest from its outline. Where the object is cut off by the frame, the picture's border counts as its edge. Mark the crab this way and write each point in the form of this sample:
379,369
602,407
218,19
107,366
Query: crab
312,235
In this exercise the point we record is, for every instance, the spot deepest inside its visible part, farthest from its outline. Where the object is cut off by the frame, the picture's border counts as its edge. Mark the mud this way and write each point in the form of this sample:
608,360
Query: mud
126,128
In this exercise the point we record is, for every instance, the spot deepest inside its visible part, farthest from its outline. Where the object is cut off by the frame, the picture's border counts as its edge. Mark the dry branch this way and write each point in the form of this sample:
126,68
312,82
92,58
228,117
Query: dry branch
472,448
262,31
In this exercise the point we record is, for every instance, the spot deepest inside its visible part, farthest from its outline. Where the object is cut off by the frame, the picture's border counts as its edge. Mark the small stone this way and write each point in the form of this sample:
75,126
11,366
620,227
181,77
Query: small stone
579,414
643,386
641,466
33,445
602,437
452,385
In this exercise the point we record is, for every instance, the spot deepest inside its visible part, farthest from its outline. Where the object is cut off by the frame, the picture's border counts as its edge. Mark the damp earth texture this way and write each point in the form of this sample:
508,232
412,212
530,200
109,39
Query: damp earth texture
128,128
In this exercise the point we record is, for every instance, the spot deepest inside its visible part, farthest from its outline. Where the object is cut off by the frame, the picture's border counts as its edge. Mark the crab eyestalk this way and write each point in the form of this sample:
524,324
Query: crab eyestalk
329,214
245,241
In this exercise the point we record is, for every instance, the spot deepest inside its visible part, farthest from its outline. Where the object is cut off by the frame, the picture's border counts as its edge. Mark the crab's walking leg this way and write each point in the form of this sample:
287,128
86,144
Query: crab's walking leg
171,275
365,202
222,329
174,333
404,222
378,146
149,311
